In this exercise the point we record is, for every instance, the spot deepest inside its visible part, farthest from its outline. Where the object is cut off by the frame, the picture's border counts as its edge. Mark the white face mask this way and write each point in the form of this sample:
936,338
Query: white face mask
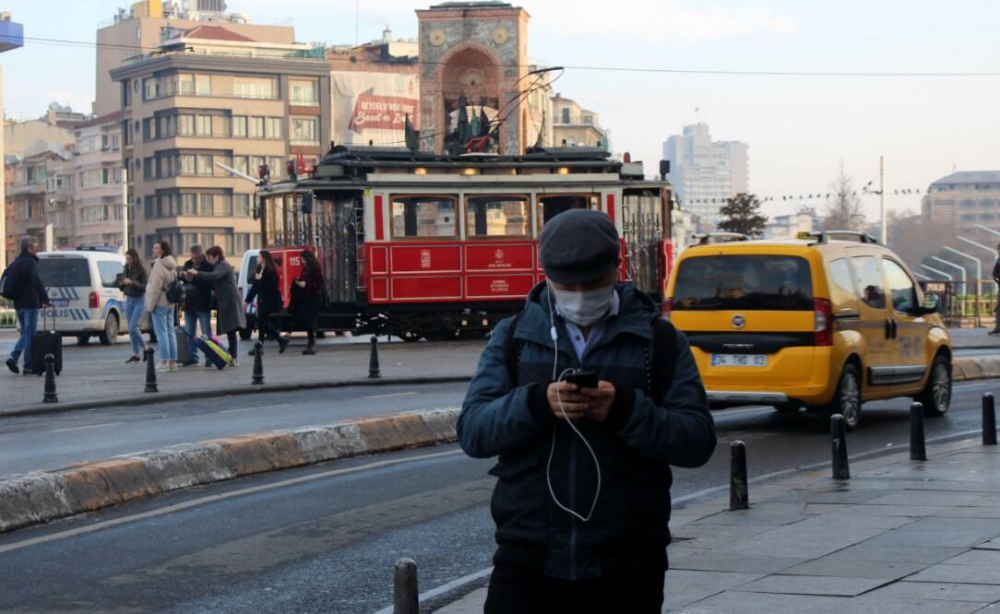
584,308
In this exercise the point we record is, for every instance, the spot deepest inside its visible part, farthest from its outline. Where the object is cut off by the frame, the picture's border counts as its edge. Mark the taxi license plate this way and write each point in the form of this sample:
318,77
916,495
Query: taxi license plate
739,360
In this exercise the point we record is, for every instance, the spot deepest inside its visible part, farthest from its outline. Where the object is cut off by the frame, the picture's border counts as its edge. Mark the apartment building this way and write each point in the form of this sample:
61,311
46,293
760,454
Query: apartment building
704,173
96,182
965,200
40,193
209,96
574,125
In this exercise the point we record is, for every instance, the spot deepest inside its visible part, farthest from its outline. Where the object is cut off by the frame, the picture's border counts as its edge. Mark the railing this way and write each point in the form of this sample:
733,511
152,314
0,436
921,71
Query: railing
964,299
8,318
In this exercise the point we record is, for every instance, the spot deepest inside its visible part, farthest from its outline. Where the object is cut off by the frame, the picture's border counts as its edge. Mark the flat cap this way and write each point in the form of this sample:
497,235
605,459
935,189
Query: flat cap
578,246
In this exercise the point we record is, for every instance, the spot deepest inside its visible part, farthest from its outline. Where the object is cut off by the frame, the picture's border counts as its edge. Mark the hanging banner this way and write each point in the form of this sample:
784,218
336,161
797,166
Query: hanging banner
373,107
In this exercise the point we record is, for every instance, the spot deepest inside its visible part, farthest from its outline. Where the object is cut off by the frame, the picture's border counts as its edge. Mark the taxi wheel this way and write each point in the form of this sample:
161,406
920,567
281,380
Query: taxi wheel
110,333
936,397
847,400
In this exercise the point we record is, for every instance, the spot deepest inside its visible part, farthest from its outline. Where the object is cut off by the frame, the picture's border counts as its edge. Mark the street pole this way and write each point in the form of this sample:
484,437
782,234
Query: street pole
939,272
124,179
881,174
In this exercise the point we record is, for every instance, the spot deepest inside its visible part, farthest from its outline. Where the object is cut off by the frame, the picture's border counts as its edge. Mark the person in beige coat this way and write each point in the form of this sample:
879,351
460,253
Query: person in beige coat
161,311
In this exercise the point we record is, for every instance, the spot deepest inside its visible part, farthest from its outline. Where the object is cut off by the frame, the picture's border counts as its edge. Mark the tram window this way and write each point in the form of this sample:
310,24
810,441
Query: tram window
497,216
424,216
551,206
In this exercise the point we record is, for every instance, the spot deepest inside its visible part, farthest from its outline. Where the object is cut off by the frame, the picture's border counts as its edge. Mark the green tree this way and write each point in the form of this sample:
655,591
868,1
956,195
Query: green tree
742,214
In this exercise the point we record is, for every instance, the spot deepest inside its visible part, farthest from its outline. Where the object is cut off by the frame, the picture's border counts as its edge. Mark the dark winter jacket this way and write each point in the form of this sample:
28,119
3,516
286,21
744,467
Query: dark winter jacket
198,291
139,277
267,292
635,445
996,271
30,290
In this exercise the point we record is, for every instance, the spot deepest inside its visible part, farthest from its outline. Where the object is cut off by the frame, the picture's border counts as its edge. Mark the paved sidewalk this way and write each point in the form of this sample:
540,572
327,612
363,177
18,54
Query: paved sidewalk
900,537
967,338
97,375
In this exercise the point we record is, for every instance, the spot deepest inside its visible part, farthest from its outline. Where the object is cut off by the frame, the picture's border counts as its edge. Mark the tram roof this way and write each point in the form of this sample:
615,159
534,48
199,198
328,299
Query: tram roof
595,158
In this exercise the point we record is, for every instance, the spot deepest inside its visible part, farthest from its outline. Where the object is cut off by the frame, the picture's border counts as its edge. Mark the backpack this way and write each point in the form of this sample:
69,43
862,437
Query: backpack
8,285
174,290
660,366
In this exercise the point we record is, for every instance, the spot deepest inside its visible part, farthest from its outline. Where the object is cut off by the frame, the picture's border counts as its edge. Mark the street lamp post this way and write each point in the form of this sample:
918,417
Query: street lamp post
979,277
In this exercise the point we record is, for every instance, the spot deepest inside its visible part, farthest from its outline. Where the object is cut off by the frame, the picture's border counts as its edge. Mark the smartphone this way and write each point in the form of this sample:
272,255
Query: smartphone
582,378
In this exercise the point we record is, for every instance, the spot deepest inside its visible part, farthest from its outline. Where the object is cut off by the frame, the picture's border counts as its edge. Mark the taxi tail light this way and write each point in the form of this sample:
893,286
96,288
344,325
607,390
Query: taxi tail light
823,318
95,300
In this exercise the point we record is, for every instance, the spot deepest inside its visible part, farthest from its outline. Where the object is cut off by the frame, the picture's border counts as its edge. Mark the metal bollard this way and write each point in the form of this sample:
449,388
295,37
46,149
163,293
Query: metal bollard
151,371
918,447
989,420
374,372
405,599
739,494
838,432
257,379
50,380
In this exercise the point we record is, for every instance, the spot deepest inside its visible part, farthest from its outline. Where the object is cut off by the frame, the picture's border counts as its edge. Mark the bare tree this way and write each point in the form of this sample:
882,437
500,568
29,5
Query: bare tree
843,207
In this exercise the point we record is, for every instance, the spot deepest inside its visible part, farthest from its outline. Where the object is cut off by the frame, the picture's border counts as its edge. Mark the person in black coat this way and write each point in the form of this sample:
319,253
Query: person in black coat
197,303
29,297
269,302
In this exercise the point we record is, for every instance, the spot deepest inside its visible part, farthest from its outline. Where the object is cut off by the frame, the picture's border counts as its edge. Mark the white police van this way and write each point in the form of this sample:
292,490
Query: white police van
83,288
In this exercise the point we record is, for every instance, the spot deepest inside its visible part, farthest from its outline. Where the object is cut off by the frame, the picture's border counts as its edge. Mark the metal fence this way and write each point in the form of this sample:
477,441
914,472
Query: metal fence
964,299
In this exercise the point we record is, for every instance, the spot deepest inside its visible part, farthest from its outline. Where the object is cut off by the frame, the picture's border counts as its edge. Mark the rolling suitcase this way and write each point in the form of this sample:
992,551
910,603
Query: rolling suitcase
46,341
183,349
214,352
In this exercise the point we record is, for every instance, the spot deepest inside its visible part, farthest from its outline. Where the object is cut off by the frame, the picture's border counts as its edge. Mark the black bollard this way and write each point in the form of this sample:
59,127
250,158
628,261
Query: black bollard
50,380
405,599
989,420
918,447
151,371
257,379
374,372
838,431
739,494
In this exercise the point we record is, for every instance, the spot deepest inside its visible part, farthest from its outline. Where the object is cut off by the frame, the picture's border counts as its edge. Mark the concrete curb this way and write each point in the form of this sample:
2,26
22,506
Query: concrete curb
975,367
150,399
41,497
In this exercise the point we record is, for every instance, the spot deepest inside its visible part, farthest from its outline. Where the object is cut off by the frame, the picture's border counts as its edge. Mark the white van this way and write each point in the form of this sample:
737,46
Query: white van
248,268
83,289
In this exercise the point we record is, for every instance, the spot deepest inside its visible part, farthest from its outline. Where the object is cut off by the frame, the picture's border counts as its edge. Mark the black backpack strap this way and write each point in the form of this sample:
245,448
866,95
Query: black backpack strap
512,351
664,361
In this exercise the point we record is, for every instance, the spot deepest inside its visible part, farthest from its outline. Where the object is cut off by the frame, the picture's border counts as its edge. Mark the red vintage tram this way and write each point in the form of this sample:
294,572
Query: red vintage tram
419,245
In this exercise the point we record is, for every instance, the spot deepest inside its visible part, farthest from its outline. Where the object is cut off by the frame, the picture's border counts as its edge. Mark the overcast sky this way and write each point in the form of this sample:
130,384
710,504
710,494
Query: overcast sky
799,129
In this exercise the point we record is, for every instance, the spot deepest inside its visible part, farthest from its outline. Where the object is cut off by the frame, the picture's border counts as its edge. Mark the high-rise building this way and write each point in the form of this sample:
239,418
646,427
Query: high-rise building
705,173
964,200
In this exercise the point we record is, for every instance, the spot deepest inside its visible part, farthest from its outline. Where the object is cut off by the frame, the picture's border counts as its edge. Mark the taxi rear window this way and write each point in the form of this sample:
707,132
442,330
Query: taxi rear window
64,272
744,282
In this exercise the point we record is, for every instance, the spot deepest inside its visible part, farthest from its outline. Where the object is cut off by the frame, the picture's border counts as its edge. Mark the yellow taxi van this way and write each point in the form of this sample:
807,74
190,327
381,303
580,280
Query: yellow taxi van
814,322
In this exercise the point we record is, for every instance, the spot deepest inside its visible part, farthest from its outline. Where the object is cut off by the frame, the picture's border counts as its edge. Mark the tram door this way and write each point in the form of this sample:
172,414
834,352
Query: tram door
336,227
643,231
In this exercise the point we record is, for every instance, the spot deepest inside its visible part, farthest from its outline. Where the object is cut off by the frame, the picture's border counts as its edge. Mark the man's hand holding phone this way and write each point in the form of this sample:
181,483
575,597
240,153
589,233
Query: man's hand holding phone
582,394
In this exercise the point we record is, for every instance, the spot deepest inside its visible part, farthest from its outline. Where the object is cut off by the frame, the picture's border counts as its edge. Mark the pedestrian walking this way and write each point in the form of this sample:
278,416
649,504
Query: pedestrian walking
23,285
133,285
197,304
996,278
308,292
269,302
163,273
585,435
229,307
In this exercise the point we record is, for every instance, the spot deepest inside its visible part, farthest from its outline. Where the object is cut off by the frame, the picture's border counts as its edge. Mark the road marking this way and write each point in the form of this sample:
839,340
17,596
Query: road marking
235,411
220,497
89,426
390,395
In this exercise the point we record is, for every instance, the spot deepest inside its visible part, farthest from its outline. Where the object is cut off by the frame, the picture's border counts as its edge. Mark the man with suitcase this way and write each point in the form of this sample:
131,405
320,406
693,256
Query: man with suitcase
29,296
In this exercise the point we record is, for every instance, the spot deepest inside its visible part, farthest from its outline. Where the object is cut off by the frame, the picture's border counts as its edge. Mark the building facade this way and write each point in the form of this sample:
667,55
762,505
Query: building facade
39,193
573,125
705,173
96,182
198,103
789,226
964,200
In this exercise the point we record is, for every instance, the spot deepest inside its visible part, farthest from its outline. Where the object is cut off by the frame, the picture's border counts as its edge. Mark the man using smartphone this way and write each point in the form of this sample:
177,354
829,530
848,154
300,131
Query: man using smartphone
588,397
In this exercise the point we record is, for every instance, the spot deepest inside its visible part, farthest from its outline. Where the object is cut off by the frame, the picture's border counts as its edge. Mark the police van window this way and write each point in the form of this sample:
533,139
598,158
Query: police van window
904,294
424,216
109,272
840,272
551,206
64,272
771,283
869,281
497,216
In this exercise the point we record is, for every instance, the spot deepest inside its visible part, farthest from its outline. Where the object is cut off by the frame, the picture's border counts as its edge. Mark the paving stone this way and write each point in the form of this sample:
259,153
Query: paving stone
958,574
764,603
866,604
971,512
828,566
911,497
809,539
684,587
986,558
904,554
936,539
993,544
985,526
911,511
725,561
837,496
979,593
814,585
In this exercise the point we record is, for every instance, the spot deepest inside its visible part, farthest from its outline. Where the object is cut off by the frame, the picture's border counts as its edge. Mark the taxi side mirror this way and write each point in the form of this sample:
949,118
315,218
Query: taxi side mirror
932,302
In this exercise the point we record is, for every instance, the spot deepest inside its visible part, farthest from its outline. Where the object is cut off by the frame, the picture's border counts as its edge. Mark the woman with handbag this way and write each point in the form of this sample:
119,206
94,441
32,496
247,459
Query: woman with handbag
311,286
269,302
162,275
229,307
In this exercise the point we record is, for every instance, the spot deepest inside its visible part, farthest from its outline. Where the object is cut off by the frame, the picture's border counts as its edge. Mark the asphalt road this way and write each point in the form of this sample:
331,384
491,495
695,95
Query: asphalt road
324,538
